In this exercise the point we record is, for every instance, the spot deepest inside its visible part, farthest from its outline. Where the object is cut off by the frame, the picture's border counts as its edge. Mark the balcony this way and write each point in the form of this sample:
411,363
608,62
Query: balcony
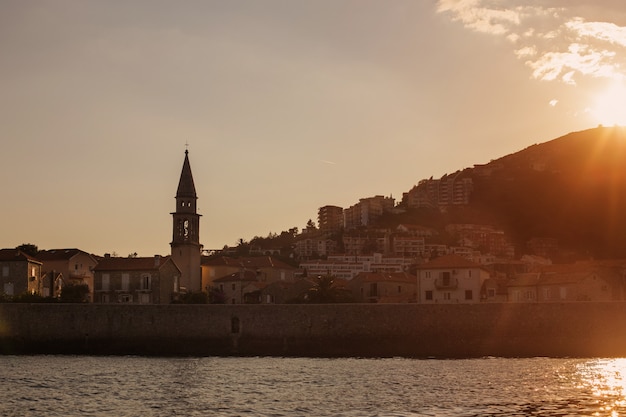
446,283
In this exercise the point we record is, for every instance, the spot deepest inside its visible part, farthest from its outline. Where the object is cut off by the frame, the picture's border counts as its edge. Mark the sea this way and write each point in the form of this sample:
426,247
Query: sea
271,386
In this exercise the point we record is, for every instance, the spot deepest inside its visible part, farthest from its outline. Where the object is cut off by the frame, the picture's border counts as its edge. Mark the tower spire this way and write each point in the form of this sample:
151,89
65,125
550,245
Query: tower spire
186,247
186,187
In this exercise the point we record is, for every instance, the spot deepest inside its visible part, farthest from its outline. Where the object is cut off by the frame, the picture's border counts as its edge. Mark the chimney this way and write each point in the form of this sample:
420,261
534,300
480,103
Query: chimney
107,255
157,260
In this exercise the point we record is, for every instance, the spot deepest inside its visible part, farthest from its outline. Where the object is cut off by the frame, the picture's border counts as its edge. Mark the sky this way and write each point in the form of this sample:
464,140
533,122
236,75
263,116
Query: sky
285,106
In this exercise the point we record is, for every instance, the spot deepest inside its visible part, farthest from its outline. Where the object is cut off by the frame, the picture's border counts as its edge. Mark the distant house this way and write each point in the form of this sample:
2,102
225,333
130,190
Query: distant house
494,290
267,269
66,266
236,286
152,280
451,279
566,283
19,273
380,287
281,292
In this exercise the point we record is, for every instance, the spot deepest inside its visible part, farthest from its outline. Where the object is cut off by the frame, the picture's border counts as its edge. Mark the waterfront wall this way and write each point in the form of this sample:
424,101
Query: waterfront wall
412,330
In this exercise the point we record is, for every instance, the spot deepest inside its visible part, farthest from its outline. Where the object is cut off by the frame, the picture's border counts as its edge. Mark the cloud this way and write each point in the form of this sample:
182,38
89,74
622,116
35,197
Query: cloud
555,44
554,102
480,19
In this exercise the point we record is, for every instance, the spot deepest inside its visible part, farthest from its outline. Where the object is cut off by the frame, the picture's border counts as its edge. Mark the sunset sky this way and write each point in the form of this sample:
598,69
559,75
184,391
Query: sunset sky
285,105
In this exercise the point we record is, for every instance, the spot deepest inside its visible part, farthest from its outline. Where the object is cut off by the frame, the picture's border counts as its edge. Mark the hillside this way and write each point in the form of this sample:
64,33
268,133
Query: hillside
572,188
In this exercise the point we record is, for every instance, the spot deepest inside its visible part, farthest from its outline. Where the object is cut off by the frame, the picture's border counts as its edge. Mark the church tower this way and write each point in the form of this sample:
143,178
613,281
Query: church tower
186,248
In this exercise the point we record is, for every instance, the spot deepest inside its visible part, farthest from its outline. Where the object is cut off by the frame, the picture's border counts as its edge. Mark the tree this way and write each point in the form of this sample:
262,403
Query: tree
310,224
28,248
325,291
74,293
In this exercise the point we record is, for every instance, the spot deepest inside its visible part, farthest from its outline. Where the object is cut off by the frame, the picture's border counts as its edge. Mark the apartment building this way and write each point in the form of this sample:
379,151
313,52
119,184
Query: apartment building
330,219
367,211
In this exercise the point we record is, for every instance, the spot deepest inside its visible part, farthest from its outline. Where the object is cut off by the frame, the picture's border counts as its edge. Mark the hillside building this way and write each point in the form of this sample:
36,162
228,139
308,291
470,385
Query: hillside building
367,211
329,219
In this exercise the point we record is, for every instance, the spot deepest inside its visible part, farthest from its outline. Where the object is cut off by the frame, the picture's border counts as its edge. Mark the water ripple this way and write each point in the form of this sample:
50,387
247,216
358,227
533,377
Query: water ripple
277,387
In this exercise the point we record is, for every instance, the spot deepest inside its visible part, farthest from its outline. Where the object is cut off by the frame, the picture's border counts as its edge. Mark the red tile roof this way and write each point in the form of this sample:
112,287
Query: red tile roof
59,254
8,255
130,264
246,275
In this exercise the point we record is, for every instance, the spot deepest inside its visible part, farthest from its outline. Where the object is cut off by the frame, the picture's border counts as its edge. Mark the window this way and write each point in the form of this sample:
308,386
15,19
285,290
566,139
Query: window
222,287
446,278
33,271
104,298
428,295
8,288
106,278
374,289
5,271
233,286
468,294
469,273
399,289
125,298
125,282
145,281
491,292
446,296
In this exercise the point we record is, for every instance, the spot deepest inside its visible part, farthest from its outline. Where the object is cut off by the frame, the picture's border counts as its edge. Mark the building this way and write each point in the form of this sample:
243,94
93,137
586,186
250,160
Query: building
313,247
356,242
282,292
381,287
236,286
266,268
347,267
66,266
186,249
20,273
566,283
451,279
367,211
330,219
484,237
453,189
136,280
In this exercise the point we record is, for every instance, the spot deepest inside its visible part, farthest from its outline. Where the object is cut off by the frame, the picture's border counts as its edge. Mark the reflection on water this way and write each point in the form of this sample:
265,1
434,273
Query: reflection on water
134,386
604,379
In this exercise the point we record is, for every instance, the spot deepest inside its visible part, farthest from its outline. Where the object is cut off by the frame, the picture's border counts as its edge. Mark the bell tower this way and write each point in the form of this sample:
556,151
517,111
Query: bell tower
186,247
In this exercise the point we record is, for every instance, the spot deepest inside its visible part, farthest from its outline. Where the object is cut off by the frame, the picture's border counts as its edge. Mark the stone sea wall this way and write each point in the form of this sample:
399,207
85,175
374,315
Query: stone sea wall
411,330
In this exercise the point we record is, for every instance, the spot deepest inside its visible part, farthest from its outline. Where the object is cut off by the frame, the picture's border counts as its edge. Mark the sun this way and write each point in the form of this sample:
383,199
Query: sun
609,107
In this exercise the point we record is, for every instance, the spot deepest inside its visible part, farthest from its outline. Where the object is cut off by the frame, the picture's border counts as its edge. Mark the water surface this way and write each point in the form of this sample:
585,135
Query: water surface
139,386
